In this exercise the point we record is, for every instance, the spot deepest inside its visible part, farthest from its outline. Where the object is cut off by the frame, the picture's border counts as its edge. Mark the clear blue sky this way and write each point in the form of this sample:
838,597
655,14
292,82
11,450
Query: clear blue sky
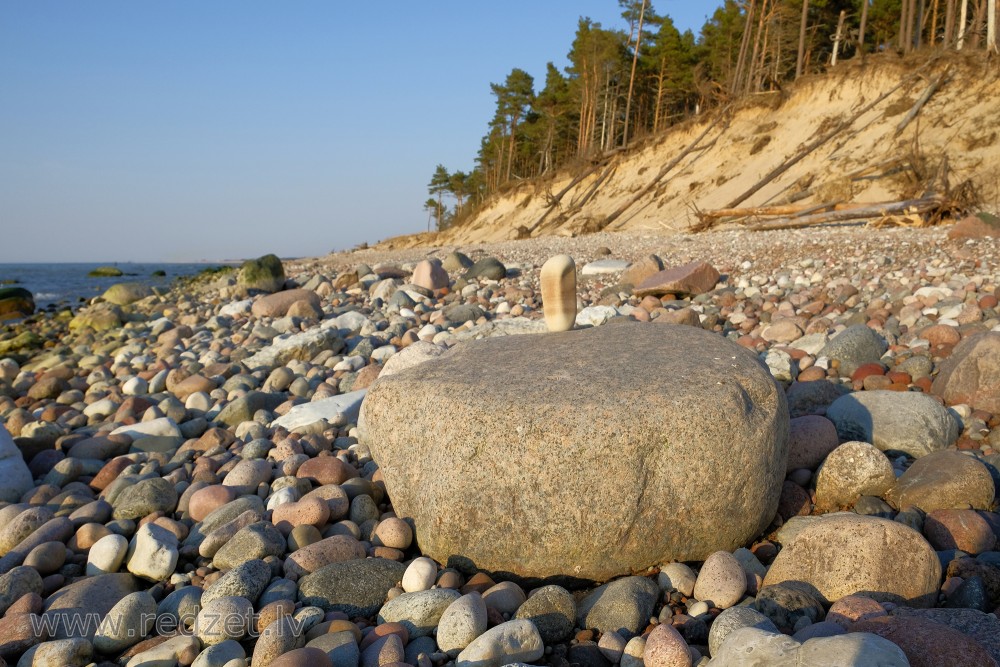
214,129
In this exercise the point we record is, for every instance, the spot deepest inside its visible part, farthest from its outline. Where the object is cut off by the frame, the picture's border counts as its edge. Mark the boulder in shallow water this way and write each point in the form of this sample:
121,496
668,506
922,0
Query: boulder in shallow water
15,302
696,429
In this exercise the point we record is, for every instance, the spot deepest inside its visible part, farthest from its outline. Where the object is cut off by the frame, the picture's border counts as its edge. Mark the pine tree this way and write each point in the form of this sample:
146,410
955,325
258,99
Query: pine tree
437,187
670,61
598,60
514,98
556,113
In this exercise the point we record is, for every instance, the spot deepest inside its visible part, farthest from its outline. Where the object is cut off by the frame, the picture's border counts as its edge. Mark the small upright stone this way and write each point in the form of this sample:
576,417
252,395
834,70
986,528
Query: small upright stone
559,292
429,274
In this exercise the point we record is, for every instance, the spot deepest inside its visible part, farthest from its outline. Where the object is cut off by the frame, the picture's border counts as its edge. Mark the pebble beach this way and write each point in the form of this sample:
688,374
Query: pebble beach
738,448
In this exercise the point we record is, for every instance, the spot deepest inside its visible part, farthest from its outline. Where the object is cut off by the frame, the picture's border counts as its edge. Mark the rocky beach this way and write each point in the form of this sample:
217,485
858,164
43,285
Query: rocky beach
732,448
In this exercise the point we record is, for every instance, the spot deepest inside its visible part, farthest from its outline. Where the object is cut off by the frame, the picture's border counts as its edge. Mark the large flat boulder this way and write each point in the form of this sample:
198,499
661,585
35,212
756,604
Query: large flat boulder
588,454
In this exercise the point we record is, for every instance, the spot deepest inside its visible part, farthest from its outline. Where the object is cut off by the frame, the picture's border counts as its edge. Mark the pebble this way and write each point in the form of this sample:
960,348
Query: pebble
420,611
420,575
721,581
553,611
334,549
258,540
462,621
220,654
153,553
394,533
750,646
247,580
197,436
126,624
181,650
908,422
180,608
107,555
889,560
677,577
59,653
385,650
944,480
281,636
308,511
811,438
510,642
735,618
206,500
623,605
852,470
224,618
504,597
965,530
665,647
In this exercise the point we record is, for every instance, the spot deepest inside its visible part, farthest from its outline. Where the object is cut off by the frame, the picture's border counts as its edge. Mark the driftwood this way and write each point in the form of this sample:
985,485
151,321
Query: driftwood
552,201
921,207
762,211
576,205
812,146
922,100
664,170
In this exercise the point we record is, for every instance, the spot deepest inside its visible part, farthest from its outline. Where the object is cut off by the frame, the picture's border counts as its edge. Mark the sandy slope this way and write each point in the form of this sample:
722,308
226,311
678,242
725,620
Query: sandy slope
867,161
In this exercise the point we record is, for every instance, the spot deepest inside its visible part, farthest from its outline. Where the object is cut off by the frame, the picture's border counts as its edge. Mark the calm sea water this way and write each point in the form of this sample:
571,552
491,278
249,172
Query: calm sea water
68,284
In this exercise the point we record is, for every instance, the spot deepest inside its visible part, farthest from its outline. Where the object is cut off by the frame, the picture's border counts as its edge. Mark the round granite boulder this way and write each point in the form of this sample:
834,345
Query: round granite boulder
673,452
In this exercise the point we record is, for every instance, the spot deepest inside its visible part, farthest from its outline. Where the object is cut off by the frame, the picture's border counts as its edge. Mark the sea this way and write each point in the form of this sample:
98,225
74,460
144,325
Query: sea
60,285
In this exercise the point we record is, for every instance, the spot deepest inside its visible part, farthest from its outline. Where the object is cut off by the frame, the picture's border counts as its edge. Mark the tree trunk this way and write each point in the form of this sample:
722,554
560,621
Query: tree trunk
963,21
904,10
837,37
991,26
949,23
735,84
977,35
802,38
861,29
510,148
631,78
660,78
752,67
919,36
934,21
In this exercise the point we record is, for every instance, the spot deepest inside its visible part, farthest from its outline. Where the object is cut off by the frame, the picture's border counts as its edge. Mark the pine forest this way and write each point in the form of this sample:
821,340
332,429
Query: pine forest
631,81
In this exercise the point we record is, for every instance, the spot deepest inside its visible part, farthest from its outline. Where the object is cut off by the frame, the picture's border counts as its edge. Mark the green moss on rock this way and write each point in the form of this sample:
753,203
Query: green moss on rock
105,272
264,274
